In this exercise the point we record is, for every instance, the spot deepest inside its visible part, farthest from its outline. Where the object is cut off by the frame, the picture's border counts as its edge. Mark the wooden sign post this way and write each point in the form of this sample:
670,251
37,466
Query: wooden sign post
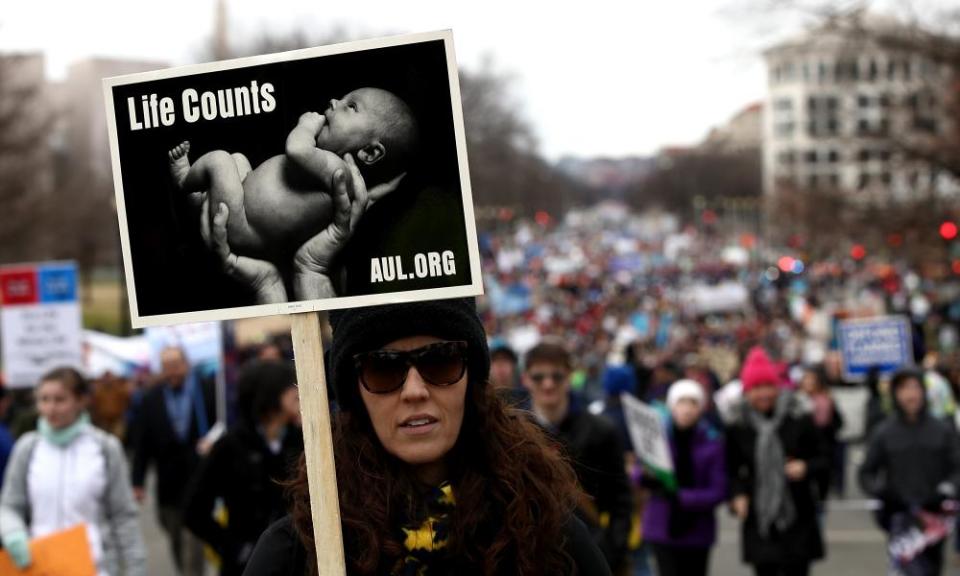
318,444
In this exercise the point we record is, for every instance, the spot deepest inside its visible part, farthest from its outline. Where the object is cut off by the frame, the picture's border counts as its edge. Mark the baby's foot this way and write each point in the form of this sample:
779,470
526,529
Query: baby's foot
179,165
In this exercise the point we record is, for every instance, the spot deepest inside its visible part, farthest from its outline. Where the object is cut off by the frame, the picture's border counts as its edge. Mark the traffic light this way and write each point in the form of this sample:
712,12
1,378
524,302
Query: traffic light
948,230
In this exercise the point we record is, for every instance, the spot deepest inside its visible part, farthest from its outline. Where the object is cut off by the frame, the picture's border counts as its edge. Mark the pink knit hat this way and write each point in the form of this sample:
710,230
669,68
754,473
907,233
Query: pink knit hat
758,370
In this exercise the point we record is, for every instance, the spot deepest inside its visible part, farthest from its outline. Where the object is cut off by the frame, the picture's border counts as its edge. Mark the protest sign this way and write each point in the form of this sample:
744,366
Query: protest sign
290,183
40,324
264,139
65,553
649,437
881,342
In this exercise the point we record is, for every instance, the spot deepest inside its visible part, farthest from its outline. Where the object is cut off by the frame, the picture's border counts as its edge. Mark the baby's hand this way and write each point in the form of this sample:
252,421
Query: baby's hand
313,121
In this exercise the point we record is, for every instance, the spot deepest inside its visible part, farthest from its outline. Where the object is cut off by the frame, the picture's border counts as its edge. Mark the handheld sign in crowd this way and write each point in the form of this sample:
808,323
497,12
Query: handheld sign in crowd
884,343
40,323
324,178
65,553
649,437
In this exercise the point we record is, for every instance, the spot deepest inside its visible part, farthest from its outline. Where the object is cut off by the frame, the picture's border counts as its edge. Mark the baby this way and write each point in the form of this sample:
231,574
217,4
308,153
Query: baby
282,203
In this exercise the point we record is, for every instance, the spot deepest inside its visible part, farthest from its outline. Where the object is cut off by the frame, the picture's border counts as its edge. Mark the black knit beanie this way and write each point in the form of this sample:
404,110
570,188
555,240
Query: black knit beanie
357,330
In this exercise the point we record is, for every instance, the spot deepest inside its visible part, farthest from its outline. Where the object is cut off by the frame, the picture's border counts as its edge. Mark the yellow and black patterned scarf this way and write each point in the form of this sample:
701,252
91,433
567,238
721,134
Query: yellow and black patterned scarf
425,542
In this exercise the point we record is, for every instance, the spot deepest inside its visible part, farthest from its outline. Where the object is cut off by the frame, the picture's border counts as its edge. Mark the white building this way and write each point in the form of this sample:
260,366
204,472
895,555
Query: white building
837,106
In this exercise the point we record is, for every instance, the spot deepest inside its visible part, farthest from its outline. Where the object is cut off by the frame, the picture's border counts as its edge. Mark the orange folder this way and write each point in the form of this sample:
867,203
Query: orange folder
65,553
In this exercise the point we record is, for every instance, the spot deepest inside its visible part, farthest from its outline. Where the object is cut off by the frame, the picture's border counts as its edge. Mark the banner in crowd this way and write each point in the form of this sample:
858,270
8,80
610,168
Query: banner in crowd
40,321
65,553
649,437
884,343
236,180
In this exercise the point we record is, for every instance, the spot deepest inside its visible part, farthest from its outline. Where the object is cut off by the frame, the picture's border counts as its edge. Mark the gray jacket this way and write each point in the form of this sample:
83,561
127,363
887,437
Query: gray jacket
119,525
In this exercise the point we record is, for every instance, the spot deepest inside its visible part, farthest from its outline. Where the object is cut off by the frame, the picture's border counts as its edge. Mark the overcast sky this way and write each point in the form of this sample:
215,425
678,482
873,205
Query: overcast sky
602,77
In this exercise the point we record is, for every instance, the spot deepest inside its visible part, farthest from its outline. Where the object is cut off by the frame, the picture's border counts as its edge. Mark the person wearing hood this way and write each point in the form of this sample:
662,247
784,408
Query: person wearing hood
680,523
774,455
913,460
69,473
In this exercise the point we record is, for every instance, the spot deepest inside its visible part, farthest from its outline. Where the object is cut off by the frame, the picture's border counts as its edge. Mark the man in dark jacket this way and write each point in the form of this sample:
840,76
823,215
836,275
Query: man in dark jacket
593,445
913,461
173,419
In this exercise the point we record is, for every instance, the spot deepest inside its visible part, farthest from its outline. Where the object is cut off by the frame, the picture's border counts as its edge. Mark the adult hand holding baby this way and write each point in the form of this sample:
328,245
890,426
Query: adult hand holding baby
351,200
312,261
261,276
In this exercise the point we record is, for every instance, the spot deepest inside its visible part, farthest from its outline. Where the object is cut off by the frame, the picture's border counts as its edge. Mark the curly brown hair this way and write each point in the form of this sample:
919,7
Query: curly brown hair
515,493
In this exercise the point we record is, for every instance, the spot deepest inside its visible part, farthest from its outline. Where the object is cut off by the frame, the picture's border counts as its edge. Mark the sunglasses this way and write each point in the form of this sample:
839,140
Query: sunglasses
539,377
385,371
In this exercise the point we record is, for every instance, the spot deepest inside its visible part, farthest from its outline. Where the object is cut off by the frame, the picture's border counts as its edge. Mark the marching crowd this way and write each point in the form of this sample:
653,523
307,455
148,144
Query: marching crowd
531,470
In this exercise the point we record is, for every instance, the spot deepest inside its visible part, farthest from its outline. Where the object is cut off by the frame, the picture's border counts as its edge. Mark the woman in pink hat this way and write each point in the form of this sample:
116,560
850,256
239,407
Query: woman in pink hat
774,455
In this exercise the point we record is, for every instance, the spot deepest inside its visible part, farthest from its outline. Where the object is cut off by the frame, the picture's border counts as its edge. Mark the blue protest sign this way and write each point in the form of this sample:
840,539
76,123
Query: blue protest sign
881,342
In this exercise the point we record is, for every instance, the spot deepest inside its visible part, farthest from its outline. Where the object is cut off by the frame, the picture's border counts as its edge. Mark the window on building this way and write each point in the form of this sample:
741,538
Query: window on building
834,180
783,104
886,178
884,100
863,101
810,156
784,129
833,156
872,70
863,180
884,155
907,70
786,157
822,71
813,181
891,69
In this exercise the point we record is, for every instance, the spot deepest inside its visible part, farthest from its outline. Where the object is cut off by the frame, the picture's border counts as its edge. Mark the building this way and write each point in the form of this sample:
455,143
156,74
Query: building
839,108
743,133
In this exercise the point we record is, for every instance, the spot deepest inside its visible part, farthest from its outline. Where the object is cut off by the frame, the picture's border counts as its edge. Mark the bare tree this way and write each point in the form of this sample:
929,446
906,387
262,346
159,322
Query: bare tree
25,182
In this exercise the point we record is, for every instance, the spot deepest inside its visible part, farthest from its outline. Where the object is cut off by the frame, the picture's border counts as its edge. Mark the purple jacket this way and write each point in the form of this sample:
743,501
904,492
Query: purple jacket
698,501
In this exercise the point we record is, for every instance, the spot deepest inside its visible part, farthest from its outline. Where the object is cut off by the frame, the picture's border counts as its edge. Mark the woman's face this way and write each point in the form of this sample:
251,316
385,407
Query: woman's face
57,405
686,412
420,422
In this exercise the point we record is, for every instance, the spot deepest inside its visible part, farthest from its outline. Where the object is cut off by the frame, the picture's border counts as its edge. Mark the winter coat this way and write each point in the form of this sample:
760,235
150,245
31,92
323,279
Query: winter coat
280,553
157,443
907,462
49,488
244,472
698,502
802,542
593,445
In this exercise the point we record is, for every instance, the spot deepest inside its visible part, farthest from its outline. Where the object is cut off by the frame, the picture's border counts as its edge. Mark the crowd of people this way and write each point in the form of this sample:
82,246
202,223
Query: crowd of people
493,438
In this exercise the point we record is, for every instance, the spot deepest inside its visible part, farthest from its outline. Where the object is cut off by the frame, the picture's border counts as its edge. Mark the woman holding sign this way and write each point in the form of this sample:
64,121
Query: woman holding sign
680,523
69,473
436,475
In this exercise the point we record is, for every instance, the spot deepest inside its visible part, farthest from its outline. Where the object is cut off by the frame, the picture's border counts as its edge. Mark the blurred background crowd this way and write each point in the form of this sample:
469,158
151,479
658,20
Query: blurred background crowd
830,194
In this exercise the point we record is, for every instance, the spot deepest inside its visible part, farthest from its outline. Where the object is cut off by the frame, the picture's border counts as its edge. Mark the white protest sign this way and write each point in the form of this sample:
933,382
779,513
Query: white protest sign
40,323
649,438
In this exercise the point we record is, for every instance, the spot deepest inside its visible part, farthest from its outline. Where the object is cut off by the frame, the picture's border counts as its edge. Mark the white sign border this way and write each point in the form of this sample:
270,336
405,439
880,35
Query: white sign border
473,289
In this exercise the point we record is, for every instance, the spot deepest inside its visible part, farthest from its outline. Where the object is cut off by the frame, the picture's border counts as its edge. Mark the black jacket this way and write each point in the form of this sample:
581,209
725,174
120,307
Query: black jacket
156,442
596,452
243,471
280,553
907,461
802,542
